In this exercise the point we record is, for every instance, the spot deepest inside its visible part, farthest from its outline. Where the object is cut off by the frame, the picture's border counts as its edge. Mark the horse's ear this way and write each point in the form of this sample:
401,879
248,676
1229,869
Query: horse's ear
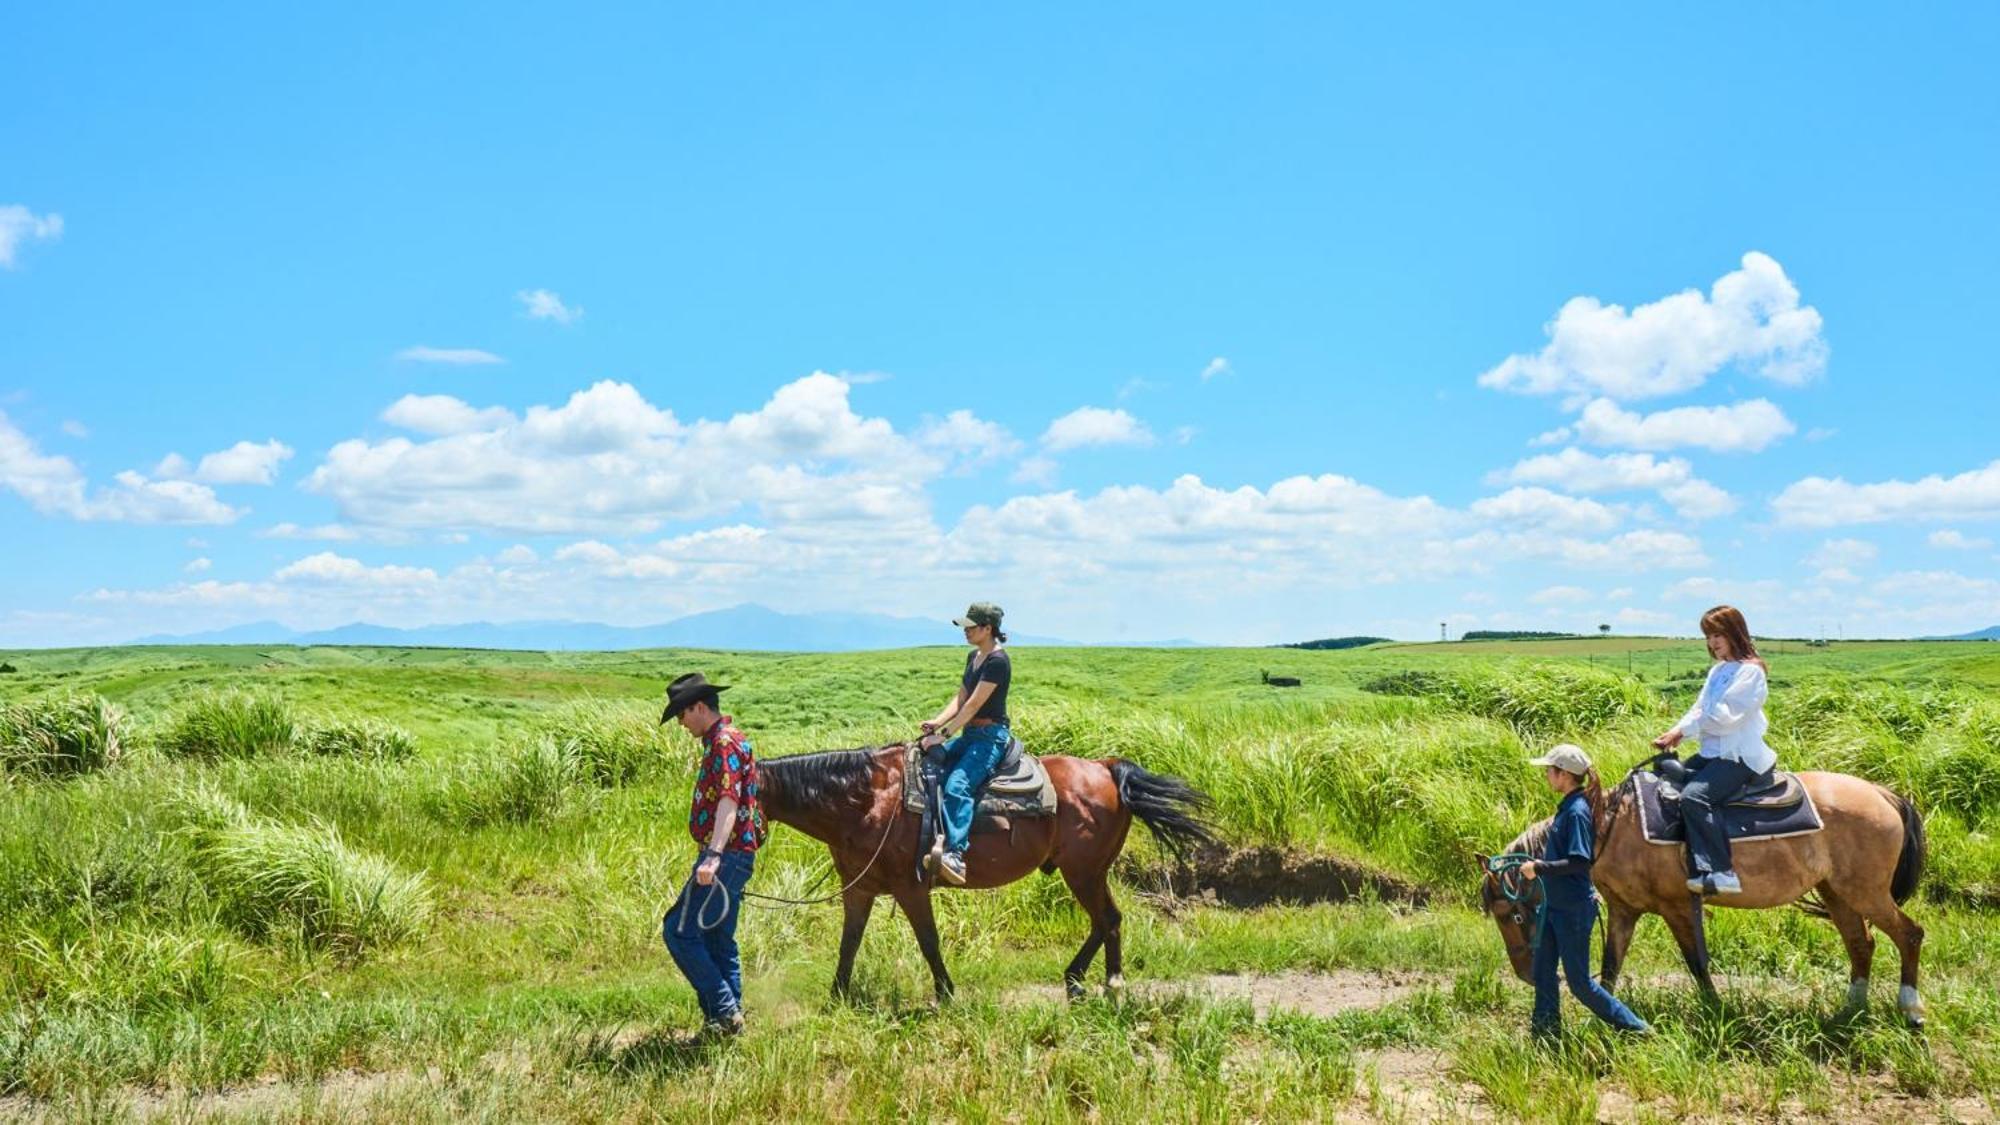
1481,857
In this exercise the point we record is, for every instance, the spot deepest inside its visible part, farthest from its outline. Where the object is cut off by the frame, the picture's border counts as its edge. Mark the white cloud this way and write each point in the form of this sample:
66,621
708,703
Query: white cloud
196,566
1562,595
1632,615
1746,427
75,429
1538,507
541,304
332,532
1556,436
54,486
1843,553
244,463
1217,366
1819,502
441,415
456,356
609,461
1577,471
18,225
1751,319
970,441
1725,591
520,554
1093,426
335,569
1036,470
1953,540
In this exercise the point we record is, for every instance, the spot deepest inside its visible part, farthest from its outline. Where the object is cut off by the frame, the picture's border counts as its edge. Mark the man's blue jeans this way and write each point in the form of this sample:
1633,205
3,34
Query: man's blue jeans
708,957
1566,942
967,761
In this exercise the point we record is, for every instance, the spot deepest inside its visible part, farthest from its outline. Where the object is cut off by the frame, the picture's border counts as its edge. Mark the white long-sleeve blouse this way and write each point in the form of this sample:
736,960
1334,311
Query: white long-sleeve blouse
1728,717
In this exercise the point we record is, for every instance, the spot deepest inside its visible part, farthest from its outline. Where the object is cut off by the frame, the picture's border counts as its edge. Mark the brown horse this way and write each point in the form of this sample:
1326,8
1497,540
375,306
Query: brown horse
1863,865
852,801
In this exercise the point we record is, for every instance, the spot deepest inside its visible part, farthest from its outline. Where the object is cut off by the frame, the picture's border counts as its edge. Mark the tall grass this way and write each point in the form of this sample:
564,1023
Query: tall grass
230,724
615,743
1539,700
299,883
538,780
60,736
364,739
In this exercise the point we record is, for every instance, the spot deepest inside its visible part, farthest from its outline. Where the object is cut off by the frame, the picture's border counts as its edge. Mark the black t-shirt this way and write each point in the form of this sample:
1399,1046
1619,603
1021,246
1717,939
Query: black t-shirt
995,670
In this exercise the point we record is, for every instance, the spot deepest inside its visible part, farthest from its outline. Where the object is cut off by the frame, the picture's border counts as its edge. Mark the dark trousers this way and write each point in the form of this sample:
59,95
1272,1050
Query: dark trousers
1702,799
1566,943
708,957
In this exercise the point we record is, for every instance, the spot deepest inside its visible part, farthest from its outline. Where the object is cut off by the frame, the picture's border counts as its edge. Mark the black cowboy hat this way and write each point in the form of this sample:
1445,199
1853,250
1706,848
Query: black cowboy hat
691,688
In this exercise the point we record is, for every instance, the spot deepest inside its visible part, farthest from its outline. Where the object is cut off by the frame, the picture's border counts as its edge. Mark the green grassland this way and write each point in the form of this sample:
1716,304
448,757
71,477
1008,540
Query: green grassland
425,884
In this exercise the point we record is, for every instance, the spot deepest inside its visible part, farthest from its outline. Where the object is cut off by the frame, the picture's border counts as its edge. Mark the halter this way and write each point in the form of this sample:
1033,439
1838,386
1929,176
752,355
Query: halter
1522,893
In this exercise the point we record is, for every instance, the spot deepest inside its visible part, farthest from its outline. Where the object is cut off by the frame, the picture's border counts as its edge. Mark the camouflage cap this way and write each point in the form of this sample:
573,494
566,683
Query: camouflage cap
979,613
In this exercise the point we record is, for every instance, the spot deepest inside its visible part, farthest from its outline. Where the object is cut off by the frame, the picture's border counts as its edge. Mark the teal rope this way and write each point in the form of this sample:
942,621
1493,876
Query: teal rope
1506,872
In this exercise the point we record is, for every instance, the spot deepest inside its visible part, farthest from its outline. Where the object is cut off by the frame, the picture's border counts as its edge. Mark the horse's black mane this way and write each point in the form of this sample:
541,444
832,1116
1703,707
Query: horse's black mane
827,777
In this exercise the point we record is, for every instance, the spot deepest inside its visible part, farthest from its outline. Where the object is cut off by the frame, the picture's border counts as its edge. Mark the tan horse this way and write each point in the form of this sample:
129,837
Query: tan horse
1863,865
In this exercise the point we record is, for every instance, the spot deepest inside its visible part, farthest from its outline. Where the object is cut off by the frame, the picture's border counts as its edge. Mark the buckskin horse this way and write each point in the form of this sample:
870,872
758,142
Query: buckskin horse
852,801
1863,864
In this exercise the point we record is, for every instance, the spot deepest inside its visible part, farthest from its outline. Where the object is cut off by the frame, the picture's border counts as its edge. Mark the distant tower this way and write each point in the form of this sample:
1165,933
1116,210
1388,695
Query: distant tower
1441,636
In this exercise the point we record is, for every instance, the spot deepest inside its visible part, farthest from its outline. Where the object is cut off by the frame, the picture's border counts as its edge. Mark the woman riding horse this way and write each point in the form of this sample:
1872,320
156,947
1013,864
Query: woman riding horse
1728,720
980,710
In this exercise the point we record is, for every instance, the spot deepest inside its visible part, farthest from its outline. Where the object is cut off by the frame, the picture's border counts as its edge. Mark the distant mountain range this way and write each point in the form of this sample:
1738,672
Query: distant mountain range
1992,634
747,627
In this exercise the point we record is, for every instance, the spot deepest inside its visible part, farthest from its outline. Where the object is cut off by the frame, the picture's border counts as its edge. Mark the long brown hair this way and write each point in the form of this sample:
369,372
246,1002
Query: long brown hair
1726,621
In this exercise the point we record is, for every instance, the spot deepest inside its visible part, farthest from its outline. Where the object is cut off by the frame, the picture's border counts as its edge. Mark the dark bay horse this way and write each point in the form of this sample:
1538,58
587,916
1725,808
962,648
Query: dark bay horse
1863,865
851,800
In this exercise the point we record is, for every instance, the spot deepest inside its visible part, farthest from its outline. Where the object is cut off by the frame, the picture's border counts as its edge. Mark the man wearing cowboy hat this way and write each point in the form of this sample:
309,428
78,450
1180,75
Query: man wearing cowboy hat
700,928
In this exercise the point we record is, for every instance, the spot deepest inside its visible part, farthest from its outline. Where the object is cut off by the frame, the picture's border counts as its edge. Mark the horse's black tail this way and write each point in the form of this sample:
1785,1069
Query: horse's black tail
1175,812
1916,850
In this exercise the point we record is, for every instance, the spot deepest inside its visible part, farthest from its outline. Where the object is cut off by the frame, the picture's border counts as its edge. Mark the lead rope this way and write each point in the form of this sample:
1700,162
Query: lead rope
1506,872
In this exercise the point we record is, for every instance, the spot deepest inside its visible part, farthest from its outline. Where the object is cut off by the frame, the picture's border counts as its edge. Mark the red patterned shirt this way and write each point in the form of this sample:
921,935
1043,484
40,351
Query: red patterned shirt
728,769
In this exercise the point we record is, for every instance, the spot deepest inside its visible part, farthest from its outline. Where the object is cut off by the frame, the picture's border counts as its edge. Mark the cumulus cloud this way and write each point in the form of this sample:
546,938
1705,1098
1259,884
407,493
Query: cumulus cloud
18,226
245,462
1539,507
334,569
1751,319
968,440
608,460
1746,427
1092,426
332,532
1953,540
1217,366
441,415
1845,553
196,566
541,304
54,486
1819,502
461,357
1574,470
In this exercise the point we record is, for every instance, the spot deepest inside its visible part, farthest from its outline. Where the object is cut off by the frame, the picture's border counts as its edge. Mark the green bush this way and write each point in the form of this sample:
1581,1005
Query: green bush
60,736
231,724
614,744
1538,700
299,882
538,780
365,739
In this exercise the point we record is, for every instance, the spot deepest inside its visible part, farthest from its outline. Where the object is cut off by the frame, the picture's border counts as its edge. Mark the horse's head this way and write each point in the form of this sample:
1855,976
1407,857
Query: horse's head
1511,905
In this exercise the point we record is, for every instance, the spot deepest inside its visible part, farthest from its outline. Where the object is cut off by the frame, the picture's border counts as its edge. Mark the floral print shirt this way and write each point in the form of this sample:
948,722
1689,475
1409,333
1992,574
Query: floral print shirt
728,769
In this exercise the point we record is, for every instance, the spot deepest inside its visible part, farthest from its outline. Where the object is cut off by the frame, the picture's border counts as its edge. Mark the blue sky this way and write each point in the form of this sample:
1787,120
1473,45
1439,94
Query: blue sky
1146,322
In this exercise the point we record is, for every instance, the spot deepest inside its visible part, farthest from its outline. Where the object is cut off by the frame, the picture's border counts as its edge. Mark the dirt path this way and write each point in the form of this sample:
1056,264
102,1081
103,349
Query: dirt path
1310,994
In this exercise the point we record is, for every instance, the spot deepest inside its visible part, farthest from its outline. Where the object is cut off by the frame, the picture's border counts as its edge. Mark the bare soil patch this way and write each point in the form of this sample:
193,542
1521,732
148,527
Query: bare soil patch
1310,994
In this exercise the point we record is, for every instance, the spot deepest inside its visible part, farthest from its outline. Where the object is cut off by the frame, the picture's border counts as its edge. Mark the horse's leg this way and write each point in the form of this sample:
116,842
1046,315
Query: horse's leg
1682,923
1619,923
1881,910
855,907
916,904
1093,893
1860,948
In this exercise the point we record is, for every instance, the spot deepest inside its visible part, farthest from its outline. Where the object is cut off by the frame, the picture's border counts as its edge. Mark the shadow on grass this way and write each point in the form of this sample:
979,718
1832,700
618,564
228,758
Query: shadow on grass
651,1054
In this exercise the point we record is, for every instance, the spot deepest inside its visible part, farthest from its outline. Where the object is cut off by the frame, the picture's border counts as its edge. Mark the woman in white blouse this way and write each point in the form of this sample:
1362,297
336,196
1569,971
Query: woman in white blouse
1728,721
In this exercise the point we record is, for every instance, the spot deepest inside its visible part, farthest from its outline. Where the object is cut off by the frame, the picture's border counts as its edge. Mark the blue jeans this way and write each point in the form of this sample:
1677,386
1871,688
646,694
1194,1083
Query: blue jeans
1702,799
708,957
1566,942
967,762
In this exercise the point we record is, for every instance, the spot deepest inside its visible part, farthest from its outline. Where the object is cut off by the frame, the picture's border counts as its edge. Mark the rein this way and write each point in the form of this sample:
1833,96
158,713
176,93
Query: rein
1506,872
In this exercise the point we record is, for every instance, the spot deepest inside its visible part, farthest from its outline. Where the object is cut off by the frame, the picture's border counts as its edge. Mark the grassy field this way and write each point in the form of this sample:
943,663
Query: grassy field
413,884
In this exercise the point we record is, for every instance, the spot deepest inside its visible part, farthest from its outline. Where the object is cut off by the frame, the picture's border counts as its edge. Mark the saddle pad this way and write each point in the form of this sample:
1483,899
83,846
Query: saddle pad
1040,800
1660,815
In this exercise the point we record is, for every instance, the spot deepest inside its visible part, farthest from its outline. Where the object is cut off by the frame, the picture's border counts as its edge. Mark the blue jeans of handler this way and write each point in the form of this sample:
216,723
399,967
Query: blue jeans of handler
967,762
1566,942
1702,799
708,958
